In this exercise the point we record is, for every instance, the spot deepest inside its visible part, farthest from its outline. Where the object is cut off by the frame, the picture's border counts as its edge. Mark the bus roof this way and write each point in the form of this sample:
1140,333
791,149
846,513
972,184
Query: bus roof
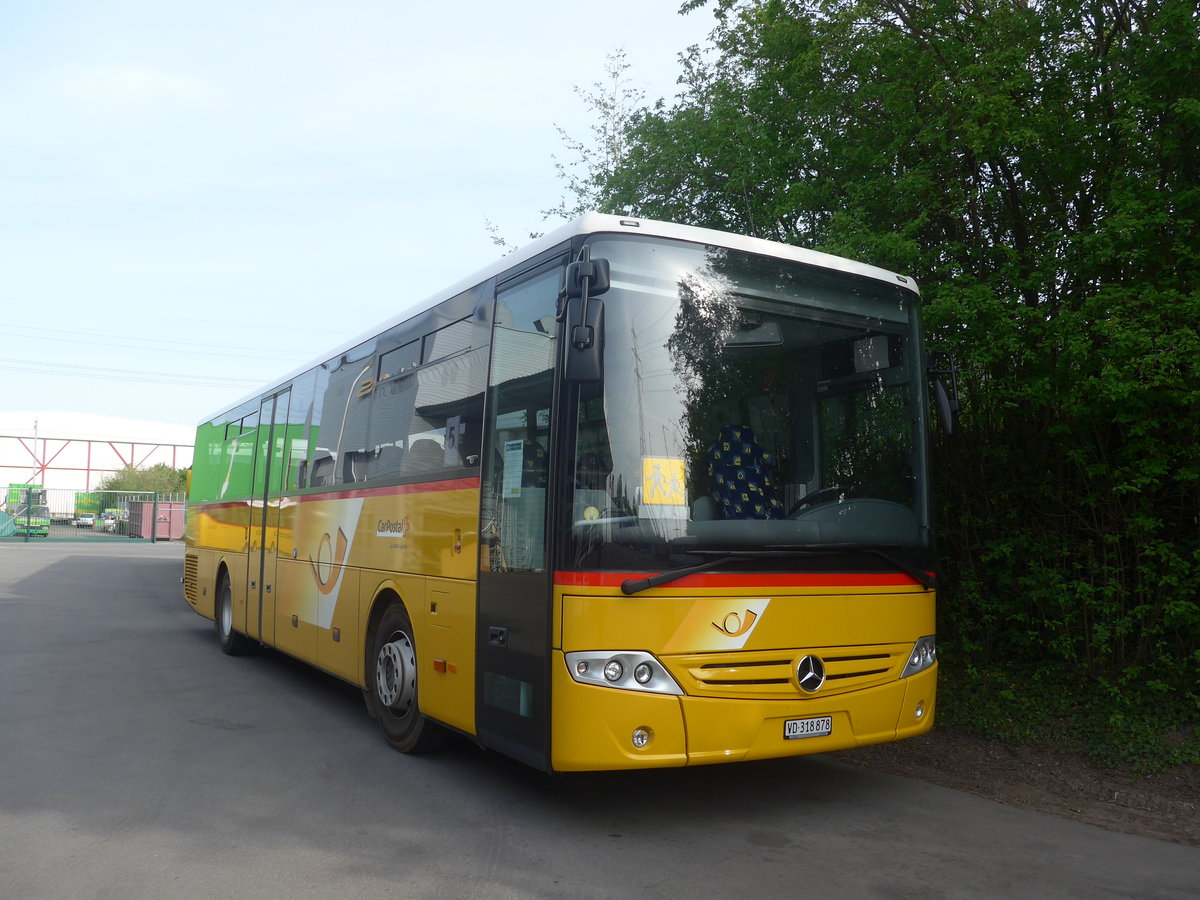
596,223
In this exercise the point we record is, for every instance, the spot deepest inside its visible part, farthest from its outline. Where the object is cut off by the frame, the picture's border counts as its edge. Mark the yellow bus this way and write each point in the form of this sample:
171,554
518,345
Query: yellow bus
638,495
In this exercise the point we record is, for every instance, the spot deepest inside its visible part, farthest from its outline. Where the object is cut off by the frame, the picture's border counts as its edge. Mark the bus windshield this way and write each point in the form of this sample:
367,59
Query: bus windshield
747,404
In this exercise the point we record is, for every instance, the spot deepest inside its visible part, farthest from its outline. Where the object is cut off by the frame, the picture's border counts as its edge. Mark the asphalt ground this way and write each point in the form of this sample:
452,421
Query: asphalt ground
136,760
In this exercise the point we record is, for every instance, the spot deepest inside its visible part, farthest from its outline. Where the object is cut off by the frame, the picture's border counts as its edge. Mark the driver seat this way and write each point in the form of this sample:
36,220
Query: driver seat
740,476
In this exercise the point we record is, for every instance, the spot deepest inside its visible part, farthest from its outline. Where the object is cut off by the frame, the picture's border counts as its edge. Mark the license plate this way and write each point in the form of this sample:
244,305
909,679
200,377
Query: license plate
818,726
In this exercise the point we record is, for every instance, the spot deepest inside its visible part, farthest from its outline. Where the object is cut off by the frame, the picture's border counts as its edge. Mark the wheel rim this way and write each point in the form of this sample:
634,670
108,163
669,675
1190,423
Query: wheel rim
396,674
226,611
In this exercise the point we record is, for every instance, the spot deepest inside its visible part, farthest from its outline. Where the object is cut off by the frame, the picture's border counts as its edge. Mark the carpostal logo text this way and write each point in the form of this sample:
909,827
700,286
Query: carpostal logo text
392,528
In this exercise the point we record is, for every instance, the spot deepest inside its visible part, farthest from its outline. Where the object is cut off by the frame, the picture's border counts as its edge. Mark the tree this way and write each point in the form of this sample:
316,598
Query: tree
614,101
159,478
1034,165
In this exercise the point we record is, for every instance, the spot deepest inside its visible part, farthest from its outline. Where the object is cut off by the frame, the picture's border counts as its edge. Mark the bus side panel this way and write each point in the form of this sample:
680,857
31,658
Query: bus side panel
339,647
430,528
219,526
345,549
201,592
295,609
447,652
311,578
219,533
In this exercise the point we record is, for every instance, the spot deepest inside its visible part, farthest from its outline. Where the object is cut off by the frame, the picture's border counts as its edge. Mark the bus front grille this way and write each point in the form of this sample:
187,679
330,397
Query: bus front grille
771,674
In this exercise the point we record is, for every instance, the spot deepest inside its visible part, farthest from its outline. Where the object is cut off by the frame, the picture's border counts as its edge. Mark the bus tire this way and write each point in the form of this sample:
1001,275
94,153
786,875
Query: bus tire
391,684
232,642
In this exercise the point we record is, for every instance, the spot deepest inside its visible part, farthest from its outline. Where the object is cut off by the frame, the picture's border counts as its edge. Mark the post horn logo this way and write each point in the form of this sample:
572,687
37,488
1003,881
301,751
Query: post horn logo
330,558
735,625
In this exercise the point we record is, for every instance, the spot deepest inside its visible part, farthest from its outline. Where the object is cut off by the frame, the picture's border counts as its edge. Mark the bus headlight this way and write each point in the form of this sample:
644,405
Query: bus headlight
629,670
921,657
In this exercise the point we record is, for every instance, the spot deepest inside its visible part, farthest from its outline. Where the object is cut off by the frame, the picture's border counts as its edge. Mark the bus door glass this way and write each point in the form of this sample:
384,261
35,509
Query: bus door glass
514,585
264,514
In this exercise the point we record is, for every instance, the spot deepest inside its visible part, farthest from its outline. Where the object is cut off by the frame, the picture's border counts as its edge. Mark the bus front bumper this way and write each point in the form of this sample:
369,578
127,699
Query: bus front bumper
597,728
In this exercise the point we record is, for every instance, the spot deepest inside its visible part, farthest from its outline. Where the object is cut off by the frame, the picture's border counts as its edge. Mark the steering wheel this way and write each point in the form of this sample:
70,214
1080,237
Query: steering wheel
816,496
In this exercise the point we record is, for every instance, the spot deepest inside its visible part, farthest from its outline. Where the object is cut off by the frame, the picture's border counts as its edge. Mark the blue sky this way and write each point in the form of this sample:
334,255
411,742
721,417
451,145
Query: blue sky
197,197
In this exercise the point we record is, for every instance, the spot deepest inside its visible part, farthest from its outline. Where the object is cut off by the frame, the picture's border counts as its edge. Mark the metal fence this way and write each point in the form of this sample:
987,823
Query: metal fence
30,513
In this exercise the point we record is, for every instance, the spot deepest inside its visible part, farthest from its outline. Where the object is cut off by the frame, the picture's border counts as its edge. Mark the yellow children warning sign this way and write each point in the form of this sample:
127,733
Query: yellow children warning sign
663,481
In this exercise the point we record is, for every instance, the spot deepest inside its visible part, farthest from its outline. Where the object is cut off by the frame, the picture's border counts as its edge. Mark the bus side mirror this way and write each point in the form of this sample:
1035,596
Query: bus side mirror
585,340
941,363
948,406
587,277
584,279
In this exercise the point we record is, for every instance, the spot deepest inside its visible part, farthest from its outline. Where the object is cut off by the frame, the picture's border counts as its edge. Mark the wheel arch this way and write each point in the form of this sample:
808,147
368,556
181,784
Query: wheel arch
223,570
233,642
382,596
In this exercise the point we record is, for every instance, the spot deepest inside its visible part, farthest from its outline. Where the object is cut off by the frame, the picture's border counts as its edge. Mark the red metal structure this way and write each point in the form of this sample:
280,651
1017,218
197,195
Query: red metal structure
80,463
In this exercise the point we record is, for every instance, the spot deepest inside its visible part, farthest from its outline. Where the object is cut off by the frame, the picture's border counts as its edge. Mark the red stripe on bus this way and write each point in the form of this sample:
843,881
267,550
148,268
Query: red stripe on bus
740,580
393,490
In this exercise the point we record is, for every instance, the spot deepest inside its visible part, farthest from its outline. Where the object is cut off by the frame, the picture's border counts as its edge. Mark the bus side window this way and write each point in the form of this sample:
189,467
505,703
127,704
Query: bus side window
429,421
299,423
319,467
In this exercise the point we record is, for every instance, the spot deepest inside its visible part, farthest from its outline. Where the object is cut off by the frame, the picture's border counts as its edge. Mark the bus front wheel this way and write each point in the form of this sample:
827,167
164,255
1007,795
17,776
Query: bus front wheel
391,688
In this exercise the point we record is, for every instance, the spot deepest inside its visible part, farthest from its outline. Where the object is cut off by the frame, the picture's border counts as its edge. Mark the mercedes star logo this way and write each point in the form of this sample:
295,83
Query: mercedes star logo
810,674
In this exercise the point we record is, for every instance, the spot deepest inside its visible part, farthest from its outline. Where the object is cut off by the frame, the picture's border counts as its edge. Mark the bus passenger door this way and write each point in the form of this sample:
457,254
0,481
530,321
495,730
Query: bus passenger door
264,517
514,611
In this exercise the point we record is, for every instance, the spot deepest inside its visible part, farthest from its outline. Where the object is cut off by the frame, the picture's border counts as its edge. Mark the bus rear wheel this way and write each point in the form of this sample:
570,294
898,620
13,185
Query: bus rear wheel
232,643
391,688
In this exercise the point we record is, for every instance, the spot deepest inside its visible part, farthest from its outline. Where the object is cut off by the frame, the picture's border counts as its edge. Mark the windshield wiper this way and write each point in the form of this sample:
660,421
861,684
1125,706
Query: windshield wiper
636,585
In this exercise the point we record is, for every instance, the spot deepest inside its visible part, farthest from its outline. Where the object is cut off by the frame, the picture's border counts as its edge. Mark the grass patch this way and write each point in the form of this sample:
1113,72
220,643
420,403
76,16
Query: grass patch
1134,726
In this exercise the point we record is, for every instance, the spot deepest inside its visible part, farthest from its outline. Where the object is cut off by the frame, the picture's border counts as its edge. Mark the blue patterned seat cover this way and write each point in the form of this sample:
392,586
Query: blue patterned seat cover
740,476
